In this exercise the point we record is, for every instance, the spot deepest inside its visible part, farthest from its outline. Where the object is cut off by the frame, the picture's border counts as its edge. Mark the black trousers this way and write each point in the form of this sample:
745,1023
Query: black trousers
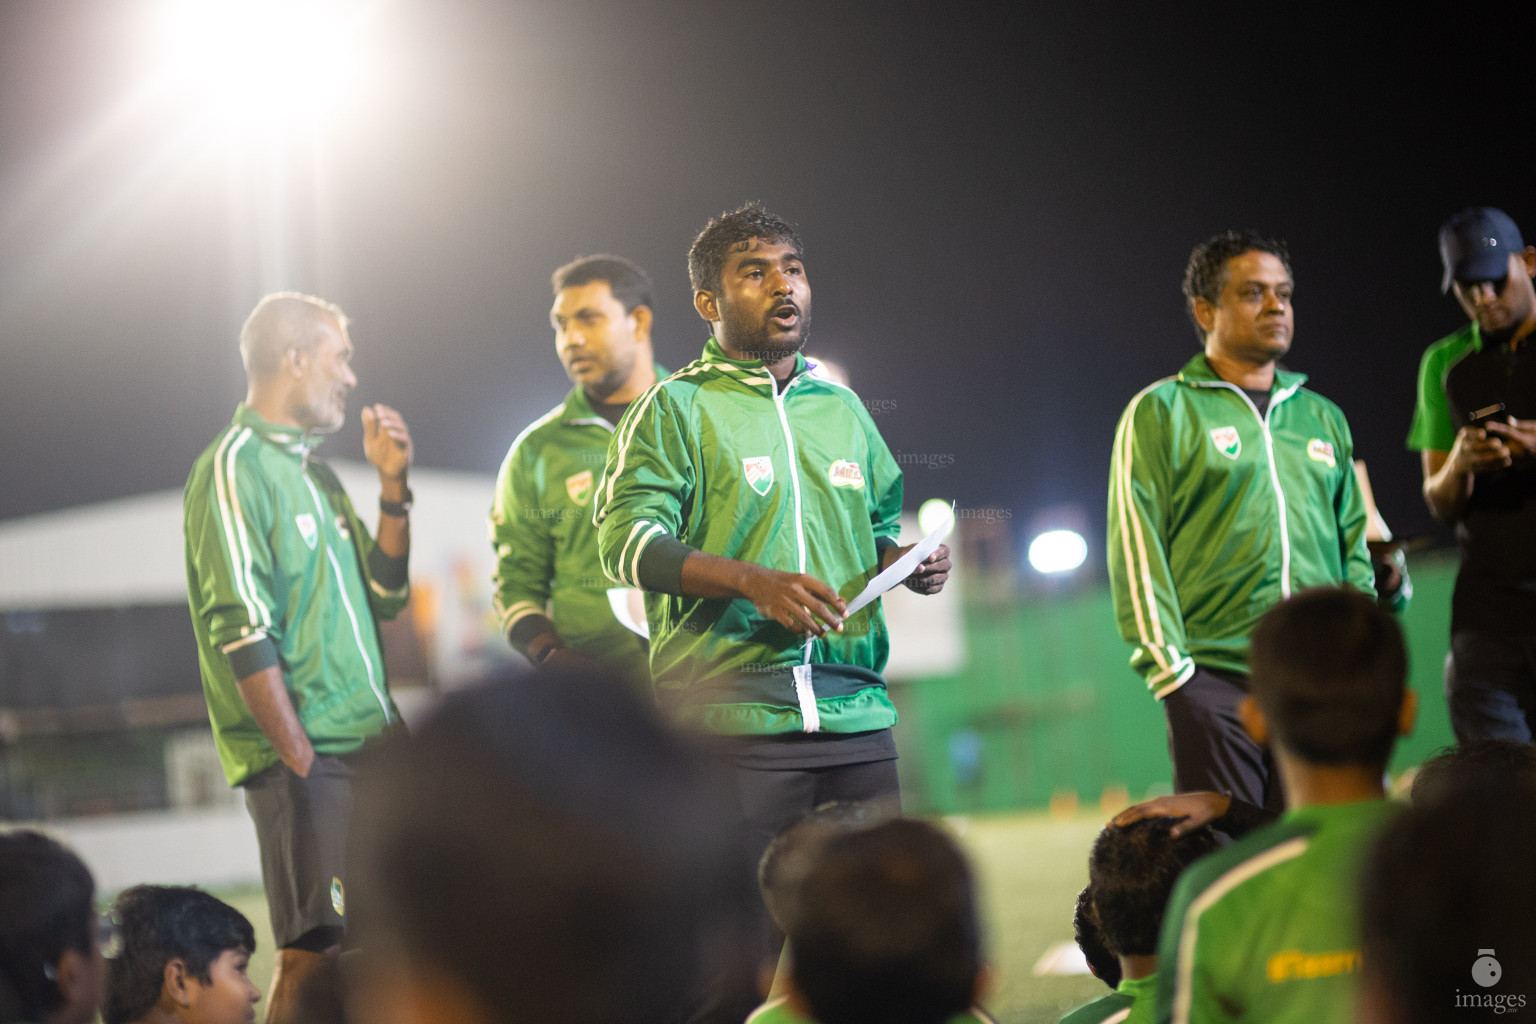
771,800
1490,684
1209,747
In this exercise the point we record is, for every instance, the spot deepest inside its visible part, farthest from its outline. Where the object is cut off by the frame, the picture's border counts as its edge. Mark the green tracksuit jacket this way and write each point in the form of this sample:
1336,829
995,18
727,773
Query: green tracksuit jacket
714,458
1216,513
546,546
281,571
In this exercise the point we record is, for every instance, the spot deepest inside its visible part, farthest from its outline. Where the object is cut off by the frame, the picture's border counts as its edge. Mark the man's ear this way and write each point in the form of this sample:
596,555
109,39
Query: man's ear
705,303
295,361
1252,717
642,318
1205,313
1408,712
176,982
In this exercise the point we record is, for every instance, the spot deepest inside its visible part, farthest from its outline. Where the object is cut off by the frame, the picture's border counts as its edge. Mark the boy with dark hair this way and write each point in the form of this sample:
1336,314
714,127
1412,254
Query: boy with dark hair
183,960
543,849
1492,767
785,864
1266,929
1131,871
1446,904
884,928
51,969
1102,964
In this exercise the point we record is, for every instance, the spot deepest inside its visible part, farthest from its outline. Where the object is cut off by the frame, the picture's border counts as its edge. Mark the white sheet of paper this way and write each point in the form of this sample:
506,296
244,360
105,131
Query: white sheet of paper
902,567
629,608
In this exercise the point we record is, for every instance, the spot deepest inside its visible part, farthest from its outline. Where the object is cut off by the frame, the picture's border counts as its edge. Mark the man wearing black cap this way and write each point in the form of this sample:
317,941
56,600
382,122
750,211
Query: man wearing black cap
1475,427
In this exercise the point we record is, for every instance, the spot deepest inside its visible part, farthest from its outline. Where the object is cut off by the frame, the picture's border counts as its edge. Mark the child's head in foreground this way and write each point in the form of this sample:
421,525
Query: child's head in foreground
884,928
1329,674
1131,872
184,957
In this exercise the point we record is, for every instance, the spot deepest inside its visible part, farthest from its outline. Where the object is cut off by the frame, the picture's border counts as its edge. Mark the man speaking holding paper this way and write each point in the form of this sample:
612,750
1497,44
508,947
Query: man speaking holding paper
753,499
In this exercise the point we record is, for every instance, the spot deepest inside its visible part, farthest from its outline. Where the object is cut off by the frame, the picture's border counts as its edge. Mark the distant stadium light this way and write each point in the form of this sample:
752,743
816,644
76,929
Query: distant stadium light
261,61
933,513
1057,551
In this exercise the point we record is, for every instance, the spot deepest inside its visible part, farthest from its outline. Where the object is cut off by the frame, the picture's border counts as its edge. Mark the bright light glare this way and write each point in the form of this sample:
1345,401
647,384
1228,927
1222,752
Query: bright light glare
1057,551
933,512
262,60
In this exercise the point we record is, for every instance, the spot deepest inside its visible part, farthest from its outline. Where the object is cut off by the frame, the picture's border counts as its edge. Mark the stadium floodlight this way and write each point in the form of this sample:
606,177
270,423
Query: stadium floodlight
933,513
261,63
1057,551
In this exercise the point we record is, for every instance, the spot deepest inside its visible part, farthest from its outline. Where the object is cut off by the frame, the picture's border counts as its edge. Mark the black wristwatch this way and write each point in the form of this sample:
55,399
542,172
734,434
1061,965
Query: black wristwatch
398,509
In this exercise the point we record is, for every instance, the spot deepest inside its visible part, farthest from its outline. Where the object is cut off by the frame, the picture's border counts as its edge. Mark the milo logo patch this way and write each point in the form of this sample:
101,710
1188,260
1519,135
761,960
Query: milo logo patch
846,474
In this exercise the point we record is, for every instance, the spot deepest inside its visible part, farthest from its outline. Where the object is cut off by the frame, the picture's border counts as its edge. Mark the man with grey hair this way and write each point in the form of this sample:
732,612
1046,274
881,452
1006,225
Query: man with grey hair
286,586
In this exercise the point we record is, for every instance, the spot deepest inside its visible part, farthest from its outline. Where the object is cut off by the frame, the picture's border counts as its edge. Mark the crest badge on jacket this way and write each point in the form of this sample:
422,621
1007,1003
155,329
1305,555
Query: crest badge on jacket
1228,442
759,472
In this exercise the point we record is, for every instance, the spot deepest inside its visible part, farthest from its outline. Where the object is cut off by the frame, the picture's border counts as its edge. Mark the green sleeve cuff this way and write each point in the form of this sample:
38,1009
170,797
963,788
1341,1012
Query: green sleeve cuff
661,565
256,656
525,629
387,571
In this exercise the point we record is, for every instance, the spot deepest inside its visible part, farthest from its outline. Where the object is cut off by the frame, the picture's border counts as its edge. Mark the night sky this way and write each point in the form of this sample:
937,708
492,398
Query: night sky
997,204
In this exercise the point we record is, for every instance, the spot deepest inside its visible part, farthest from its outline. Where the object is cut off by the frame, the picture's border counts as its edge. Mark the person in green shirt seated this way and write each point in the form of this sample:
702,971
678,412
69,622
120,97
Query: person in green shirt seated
1131,872
1266,929
881,920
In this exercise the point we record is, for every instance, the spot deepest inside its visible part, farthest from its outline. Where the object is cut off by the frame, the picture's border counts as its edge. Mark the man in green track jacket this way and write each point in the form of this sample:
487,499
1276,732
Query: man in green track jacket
551,593
753,498
286,586
1231,487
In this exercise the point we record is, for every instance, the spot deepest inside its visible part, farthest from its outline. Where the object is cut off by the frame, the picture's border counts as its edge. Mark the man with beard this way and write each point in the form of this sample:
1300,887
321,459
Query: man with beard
1231,488
1475,430
286,586
550,589
753,498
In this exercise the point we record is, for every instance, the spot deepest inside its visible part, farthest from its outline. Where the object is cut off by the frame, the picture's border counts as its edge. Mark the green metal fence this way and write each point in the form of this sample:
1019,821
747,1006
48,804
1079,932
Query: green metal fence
1047,707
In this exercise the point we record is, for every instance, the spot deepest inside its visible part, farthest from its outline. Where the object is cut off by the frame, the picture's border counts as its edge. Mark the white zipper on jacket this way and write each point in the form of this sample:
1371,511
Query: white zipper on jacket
1274,472
341,588
805,693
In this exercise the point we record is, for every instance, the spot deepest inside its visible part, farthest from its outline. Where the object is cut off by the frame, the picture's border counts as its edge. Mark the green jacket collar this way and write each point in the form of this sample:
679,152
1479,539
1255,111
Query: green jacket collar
291,439
578,410
750,372
1362,812
1475,334
1198,371
1136,987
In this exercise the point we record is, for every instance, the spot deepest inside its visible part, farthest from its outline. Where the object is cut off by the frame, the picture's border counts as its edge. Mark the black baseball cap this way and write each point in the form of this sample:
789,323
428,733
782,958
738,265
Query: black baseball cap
1475,245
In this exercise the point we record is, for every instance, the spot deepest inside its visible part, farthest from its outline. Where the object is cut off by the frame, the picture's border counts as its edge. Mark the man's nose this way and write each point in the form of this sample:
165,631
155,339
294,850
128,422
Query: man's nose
1483,293
351,378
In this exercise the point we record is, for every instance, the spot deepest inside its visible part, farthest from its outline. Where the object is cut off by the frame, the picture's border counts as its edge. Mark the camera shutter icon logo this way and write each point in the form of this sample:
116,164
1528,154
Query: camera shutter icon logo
1486,970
